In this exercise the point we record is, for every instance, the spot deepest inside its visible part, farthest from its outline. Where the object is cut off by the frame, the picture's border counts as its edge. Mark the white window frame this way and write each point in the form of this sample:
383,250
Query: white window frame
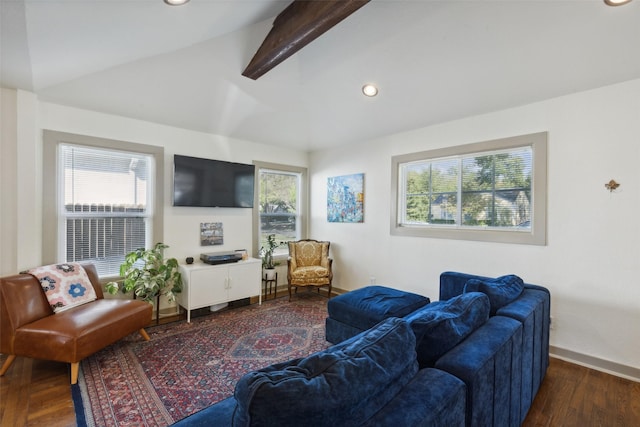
535,235
302,208
53,234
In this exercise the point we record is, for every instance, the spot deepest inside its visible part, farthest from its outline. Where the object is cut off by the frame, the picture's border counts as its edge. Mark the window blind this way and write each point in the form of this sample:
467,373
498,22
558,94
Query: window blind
105,204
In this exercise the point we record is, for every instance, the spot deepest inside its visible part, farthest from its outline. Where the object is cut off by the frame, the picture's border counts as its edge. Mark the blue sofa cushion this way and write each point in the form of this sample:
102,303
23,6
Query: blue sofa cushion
441,325
344,385
433,398
218,414
368,306
501,290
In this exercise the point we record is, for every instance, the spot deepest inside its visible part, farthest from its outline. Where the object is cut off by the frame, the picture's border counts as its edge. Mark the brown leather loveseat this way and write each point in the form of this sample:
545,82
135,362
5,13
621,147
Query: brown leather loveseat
30,328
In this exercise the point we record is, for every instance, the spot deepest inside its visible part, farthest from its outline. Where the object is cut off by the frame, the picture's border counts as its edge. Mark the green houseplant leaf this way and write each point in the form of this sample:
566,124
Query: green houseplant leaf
147,274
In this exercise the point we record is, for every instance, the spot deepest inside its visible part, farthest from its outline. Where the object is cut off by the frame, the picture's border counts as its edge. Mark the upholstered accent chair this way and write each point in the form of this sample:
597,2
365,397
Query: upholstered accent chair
309,265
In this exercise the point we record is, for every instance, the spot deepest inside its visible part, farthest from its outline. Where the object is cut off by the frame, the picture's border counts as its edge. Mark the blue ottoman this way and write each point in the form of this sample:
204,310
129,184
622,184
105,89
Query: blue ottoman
359,310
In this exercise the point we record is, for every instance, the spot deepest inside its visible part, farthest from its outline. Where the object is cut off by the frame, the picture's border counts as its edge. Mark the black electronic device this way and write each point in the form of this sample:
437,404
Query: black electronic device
212,183
214,258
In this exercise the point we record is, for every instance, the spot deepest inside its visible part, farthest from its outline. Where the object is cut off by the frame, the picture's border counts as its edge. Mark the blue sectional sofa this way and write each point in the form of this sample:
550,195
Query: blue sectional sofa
476,357
532,308
372,379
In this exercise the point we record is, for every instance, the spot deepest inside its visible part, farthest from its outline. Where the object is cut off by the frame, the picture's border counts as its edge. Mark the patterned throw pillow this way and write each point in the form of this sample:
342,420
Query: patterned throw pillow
65,285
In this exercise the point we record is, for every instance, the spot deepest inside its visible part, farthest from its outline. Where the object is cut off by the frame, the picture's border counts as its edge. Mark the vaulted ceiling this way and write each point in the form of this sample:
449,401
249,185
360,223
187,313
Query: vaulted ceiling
433,61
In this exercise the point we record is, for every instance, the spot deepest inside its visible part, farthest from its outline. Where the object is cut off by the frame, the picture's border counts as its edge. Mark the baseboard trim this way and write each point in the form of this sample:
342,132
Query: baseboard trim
607,366
284,290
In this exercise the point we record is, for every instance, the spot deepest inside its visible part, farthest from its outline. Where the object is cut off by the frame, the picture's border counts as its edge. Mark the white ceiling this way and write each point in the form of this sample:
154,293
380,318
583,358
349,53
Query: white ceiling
434,61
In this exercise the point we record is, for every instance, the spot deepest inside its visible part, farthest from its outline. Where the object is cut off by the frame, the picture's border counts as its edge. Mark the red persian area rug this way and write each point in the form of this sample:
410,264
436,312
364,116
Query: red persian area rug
186,367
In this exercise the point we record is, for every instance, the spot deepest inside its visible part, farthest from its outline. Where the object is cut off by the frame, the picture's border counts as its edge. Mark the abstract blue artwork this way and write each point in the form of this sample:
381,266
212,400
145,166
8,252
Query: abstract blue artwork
345,198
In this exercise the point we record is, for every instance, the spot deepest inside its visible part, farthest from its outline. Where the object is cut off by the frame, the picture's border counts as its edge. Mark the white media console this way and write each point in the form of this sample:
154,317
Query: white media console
205,285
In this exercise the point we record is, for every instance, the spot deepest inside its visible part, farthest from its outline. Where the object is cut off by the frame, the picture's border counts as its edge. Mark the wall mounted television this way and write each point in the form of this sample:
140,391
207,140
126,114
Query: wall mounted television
212,183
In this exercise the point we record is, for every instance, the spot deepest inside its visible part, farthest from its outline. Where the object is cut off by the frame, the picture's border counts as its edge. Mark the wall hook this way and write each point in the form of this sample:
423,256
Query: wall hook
611,185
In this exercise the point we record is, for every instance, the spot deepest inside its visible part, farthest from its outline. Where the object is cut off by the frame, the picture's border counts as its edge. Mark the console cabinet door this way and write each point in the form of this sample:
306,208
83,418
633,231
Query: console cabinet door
208,286
244,281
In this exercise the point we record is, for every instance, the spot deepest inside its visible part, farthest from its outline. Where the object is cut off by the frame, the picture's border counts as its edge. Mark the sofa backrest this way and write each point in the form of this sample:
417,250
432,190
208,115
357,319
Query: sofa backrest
452,283
22,301
309,252
442,325
344,385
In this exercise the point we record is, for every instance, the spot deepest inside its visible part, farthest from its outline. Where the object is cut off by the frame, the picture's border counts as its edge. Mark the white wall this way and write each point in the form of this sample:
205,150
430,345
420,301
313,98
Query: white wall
20,174
591,261
8,146
181,224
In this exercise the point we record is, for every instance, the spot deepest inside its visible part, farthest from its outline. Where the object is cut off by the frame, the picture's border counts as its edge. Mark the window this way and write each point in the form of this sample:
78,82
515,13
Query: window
103,199
491,191
281,203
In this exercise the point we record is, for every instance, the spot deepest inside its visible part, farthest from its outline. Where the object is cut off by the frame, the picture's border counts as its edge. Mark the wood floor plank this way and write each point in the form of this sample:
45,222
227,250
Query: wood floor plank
626,400
572,395
17,379
50,402
634,402
36,393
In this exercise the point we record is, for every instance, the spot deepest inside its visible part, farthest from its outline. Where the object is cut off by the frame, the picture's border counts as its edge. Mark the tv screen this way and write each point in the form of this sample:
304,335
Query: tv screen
212,183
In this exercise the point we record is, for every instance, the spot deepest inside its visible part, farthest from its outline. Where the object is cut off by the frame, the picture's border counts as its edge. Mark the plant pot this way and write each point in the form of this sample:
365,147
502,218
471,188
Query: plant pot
270,273
268,261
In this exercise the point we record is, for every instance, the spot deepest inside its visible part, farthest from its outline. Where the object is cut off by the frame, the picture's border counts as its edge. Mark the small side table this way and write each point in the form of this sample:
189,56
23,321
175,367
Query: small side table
269,283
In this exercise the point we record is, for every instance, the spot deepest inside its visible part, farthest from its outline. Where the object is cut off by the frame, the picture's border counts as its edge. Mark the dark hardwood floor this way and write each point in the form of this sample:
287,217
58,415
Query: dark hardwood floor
36,393
572,395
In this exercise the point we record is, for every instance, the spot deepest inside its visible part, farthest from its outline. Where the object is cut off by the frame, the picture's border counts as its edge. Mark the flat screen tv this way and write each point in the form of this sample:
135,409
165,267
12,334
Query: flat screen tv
212,183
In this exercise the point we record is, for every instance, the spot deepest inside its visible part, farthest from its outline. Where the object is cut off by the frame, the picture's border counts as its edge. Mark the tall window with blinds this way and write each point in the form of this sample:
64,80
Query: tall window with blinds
105,206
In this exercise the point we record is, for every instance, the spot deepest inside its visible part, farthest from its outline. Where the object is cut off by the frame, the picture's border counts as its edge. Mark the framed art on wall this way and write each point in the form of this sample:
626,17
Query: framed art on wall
211,233
345,198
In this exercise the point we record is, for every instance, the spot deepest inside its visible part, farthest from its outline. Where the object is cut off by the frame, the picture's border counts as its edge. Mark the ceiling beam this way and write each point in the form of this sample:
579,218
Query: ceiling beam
299,24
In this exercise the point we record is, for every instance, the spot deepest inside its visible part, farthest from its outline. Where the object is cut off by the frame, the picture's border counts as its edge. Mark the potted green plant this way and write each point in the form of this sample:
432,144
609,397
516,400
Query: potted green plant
147,274
266,253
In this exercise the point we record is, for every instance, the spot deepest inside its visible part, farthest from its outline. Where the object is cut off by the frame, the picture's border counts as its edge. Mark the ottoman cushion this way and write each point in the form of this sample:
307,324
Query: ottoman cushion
366,307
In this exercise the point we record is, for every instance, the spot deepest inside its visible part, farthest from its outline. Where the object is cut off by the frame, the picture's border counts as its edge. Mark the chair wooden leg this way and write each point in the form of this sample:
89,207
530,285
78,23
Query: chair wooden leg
7,363
144,334
289,286
75,368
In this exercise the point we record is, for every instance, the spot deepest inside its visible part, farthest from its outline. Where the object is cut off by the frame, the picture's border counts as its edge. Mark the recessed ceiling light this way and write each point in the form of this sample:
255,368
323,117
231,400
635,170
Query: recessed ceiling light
175,2
369,90
616,2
